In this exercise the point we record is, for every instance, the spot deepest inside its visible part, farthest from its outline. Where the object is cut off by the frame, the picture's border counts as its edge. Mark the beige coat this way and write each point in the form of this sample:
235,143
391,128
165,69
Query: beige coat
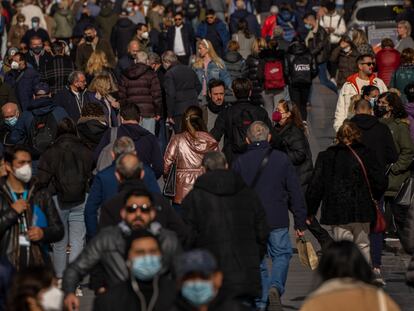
348,295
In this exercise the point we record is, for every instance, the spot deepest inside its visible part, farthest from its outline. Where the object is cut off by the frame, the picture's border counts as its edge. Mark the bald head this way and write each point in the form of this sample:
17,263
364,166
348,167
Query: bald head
129,167
9,110
133,48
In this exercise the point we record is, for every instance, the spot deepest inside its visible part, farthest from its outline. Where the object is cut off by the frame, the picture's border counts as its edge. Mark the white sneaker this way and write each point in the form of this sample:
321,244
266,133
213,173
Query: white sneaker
378,278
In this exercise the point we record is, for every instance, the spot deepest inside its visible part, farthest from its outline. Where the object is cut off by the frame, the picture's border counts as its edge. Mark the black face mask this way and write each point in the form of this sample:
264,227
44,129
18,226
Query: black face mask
89,38
37,49
380,111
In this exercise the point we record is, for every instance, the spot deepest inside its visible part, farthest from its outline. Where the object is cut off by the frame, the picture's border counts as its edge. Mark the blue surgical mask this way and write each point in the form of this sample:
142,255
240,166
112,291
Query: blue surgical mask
372,101
145,267
11,121
198,292
308,27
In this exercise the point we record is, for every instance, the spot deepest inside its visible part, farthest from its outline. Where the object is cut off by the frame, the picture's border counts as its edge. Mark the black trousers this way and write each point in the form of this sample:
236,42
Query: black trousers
299,95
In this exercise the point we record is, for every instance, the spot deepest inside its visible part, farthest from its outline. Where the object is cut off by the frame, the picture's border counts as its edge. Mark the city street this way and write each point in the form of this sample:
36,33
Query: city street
301,281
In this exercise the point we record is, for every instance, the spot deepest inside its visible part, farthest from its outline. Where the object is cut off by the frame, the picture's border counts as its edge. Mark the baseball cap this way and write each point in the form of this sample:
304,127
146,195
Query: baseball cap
42,89
198,261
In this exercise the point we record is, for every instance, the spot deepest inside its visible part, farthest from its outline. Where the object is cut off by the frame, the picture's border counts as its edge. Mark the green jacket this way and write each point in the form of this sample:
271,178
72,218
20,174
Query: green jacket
106,20
402,76
64,24
405,148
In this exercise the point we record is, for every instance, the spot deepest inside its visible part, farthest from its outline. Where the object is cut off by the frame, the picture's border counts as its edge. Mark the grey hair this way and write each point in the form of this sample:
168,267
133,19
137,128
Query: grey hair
128,168
153,58
74,75
122,145
169,57
407,25
258,131
142,58
214,160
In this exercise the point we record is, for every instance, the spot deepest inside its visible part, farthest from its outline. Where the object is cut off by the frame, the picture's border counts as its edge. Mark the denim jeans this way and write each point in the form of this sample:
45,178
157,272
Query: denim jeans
323,78
279,250
148,124
74,224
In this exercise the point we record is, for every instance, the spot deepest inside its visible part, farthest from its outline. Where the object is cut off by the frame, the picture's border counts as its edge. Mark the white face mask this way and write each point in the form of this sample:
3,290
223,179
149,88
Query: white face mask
52,299
21,23
347,49
24,173
145,35
14,65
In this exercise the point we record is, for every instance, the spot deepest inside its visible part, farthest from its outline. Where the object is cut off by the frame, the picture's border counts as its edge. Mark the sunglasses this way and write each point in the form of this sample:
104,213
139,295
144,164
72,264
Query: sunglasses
134,207
369,64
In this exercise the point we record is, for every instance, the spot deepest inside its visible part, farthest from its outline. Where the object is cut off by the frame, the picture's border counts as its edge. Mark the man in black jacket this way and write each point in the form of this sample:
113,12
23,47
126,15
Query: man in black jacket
130,173
109,246
181,87
180,39
121,35
234,121
37,56
317,41
72,97
10,113
31,222
225,217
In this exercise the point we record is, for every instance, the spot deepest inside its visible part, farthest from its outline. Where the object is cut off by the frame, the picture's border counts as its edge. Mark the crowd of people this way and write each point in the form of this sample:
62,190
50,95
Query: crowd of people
157,148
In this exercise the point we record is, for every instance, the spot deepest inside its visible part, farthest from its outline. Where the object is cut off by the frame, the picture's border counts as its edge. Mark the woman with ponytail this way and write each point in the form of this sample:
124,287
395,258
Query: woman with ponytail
187,151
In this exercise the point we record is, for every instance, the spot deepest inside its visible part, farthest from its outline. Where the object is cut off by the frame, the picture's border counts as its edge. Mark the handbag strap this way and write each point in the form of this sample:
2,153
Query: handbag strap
261,168
364,171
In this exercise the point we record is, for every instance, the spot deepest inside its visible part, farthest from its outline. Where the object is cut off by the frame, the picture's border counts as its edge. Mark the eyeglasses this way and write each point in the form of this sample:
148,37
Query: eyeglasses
368,64
134,207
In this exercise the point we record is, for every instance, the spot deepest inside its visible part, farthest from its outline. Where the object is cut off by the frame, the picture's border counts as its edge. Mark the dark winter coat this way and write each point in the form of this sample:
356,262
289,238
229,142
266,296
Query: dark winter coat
106,20
250,18
319,45
7,94
140,86
378,138
235,65
402,76
124,297
187,34
222,302
23,85
219,39
289,22
224,124
67,100
146,145
51,163
90,131
9,227
226,218
182,88
255,73
339,184
295,144
85,50
166,215
44,59
122,34
400,170
57,71
111,113
123,64
346,64
298,53
278,186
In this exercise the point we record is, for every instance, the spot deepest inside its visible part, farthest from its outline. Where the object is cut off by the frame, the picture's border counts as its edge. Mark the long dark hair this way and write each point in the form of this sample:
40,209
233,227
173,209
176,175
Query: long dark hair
27,284
66,126
193,121
343,259
295,116
398,110
243,26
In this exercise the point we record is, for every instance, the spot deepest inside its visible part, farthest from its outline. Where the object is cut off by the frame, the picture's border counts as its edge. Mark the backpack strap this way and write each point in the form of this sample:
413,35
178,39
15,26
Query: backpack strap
262,166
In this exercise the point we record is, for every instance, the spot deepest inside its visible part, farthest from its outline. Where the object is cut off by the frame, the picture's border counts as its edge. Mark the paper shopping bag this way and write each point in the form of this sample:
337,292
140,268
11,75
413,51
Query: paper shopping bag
307,254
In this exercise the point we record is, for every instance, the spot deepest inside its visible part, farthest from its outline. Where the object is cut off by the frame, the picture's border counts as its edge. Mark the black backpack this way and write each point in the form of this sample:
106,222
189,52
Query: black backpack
301,69
239,125
42,132
71,178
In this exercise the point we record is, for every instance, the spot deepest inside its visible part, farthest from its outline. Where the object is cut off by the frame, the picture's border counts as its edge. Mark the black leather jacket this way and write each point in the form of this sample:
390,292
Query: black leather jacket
9,228
108,249
319,46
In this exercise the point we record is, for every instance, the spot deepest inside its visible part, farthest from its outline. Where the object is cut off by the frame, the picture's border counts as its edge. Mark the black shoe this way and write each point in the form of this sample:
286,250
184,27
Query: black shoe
274,300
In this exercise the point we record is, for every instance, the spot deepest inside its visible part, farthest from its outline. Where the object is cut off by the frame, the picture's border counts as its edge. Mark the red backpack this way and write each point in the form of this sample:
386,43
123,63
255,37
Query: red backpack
273,74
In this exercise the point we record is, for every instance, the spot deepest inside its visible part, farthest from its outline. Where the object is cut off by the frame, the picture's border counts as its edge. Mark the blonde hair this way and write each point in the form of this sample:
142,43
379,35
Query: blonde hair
407,26
354,100
96,63
199,63
101,84
359,37
258,45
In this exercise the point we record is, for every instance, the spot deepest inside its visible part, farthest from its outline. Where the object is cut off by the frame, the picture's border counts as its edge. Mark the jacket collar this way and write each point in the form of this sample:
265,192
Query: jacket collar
259,145
352,79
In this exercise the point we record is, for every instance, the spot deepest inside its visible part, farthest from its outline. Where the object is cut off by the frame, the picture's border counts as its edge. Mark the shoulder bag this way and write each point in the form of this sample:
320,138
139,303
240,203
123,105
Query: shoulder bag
380,224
